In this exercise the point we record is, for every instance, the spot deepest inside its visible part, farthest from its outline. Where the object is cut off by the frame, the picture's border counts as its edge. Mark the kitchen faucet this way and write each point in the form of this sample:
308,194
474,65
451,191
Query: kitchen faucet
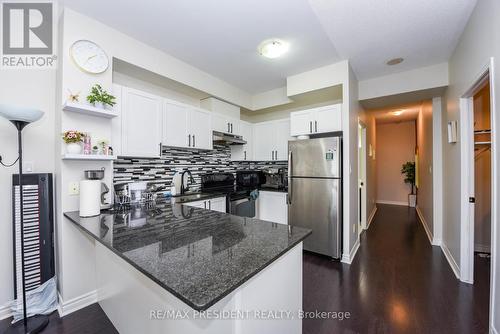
191,180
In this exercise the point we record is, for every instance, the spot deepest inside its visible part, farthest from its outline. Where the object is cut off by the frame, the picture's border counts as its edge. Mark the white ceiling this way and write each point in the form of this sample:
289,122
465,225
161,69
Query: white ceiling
371,32
410,113
221,37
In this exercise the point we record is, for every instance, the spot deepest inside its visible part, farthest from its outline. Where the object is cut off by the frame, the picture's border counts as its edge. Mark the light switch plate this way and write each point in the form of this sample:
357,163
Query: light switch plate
74,188
28,167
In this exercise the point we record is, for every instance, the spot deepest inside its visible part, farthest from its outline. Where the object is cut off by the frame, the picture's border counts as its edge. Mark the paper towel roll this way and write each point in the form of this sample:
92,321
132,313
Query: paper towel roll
90,198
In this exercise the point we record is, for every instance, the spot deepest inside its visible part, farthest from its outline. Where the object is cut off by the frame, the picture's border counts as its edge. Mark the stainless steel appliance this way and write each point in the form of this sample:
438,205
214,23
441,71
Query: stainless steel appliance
275,178
315,192
239,202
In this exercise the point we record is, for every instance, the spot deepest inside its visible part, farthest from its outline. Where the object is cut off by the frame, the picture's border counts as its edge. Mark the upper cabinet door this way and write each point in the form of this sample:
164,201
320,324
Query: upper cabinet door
141,123
263,141
220,123
243,152
282,135
200,128
301,123
328,119
175,125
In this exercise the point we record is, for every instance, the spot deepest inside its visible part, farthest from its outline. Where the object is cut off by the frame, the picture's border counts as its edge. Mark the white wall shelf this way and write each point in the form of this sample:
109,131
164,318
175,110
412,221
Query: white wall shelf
94,157
87,109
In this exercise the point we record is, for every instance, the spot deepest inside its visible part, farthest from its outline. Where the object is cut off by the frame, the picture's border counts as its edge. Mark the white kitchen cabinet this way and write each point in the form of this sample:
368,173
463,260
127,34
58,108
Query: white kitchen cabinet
244,152
186,126
317,120
271,140
175,124
200,128
272,206
214,204
226,124
141,123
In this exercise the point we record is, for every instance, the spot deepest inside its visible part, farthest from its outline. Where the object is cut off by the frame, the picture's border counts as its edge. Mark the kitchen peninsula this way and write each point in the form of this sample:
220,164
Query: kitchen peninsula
173,268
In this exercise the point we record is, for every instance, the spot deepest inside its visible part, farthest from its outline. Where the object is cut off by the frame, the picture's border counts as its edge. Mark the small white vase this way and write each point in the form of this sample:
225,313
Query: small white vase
99,105
412,200
73,148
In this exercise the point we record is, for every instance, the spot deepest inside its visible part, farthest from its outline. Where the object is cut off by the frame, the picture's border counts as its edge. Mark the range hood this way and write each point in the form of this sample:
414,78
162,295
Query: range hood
226,138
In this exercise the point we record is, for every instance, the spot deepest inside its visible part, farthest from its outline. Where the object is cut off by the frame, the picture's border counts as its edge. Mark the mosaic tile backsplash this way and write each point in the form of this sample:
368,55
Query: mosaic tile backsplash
160,171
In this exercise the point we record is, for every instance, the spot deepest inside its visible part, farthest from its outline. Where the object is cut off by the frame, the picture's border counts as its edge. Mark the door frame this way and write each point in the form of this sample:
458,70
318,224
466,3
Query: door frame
362,221
467,173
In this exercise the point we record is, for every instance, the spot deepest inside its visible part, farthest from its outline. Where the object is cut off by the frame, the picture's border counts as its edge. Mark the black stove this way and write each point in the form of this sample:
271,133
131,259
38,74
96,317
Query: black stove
237,190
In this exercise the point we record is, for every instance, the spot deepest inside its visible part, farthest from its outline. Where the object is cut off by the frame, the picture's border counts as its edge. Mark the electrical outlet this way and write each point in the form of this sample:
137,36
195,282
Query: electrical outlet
74,188
28,167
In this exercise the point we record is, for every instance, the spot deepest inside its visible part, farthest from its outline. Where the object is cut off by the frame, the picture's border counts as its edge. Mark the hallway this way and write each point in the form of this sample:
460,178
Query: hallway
398,283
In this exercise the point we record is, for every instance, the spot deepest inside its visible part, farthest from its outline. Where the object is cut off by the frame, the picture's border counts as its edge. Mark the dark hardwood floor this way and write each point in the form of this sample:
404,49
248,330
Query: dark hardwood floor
397,283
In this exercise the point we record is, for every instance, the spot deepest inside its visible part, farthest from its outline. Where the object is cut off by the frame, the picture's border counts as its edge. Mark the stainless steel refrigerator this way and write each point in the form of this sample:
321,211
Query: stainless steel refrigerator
315,192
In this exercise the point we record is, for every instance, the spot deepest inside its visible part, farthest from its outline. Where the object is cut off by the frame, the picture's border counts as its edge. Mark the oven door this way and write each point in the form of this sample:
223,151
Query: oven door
244,207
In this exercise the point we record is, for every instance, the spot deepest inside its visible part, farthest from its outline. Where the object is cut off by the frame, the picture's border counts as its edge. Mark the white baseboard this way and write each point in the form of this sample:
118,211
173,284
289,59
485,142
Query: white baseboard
348,258
482,248
451,260
75,304
5,311
370,218
426,227
392,202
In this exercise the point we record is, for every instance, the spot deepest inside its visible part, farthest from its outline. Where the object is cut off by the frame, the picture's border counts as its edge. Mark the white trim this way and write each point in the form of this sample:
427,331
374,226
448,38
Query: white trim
77,303
372,215
451,260
349,258
392,202
482,248
426,227
493,329
5,311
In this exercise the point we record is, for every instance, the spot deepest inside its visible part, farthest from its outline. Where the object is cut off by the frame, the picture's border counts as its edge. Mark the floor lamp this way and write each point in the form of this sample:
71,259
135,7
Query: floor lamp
21,117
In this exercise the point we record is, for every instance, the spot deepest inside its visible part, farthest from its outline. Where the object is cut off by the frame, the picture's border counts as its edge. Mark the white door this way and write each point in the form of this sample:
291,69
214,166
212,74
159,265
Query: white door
200,128
272,207
281,137
328,119
175,125
300,123
243,152
218,204
220,123
234,126
141,123
263,141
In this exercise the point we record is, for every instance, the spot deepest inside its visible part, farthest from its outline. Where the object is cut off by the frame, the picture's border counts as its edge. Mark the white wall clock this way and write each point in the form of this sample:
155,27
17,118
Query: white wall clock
89,57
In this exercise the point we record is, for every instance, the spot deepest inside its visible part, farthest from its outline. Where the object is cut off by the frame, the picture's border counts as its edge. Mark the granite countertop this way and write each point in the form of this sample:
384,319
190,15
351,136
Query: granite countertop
198,255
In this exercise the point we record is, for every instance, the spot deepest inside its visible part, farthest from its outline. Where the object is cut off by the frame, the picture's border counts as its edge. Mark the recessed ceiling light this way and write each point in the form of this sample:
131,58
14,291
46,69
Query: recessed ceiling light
273,48
398,113
395,61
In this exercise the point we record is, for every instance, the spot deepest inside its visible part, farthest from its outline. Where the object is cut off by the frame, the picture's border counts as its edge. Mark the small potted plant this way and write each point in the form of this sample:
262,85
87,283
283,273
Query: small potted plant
103,146
95,149
73,140
408,170
100,98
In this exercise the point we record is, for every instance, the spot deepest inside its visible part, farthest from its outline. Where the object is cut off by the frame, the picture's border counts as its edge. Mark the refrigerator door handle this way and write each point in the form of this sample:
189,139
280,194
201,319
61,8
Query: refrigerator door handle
290,192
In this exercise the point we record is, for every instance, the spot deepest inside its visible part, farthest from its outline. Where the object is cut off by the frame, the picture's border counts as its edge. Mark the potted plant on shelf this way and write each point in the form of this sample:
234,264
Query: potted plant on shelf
100,98
73,140
408,170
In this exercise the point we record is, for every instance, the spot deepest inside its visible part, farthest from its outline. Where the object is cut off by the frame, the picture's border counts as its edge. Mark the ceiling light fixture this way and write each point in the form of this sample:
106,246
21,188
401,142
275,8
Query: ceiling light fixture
395,61
273,48
398,113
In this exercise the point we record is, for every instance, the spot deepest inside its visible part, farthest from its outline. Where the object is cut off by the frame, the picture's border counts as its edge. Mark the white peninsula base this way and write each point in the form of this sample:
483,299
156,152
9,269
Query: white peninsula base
133,302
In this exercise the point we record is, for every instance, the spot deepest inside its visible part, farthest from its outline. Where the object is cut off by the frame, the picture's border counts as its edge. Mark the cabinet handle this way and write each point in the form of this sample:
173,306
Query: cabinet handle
160,149
228,130
189,140
231,127
245,152
276,155
310,126
194,141
272,155
315,126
